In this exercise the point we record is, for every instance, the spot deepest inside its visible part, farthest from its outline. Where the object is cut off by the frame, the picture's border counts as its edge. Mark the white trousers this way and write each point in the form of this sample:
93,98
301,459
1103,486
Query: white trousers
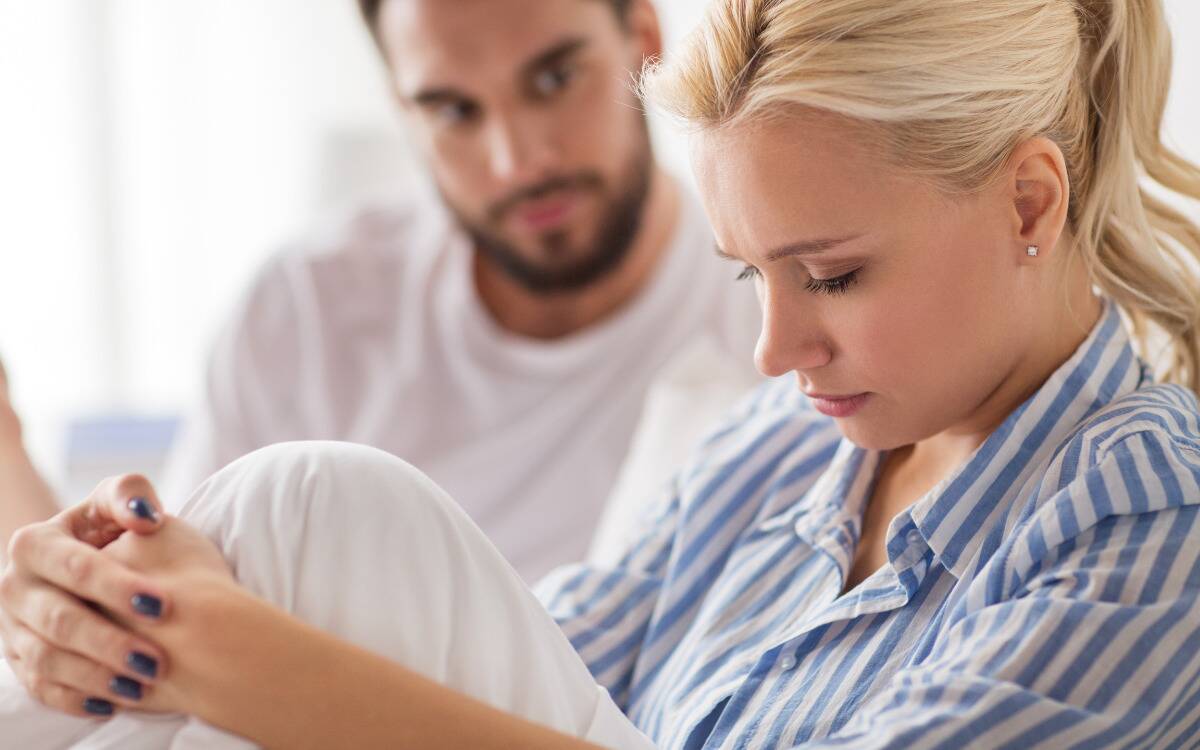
363,546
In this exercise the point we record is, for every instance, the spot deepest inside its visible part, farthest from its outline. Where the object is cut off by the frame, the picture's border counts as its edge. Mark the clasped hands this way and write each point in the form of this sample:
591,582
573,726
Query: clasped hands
103,607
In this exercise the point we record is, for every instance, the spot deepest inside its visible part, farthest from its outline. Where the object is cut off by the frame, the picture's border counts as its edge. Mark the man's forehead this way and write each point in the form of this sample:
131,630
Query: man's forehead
435,42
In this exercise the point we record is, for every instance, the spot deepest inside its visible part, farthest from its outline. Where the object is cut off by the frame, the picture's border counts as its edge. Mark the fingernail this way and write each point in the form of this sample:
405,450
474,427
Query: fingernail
144,604
98,707
143,664
143,509
126,688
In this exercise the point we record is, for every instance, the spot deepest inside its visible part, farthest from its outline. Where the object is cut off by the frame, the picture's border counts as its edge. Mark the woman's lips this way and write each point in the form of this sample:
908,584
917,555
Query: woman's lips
839,407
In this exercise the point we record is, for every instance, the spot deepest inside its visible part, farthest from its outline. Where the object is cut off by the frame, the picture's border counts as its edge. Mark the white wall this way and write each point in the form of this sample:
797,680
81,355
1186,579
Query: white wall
52,218
152,152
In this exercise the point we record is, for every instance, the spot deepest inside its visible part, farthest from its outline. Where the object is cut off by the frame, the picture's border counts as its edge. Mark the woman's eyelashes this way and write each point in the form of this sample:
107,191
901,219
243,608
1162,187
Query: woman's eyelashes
749,272
836,285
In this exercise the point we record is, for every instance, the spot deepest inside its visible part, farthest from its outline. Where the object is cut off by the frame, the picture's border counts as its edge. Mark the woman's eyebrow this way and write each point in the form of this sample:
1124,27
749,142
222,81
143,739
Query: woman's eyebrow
803,247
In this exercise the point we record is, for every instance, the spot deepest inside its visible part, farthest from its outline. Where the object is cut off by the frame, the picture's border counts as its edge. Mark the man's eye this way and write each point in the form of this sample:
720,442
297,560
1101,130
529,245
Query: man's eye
552,80
454,113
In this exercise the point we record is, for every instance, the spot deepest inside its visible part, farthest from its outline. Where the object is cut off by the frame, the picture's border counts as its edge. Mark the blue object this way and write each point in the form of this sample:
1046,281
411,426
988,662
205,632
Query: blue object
150,606
126,688
146,666
98,707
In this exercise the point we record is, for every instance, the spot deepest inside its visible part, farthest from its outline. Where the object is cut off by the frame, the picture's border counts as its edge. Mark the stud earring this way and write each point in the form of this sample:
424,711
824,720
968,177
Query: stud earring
1032,251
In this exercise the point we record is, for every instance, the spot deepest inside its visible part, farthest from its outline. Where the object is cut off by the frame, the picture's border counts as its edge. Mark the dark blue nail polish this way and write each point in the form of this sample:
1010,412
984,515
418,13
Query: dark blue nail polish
98,707
146,666
143,509
126,688
144,604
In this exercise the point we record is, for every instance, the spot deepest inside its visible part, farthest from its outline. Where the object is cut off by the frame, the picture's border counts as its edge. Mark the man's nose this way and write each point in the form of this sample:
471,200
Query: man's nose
520,152
791,339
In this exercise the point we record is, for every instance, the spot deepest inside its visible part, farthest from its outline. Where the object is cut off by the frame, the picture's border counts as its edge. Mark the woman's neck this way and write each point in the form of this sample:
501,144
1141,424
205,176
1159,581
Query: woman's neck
1062,330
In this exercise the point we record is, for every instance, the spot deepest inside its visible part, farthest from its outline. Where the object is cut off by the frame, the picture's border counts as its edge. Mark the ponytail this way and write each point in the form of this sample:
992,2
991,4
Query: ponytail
1142,253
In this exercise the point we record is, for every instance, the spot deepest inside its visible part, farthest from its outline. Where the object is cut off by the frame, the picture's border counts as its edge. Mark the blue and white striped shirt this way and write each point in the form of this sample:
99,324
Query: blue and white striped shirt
1047,594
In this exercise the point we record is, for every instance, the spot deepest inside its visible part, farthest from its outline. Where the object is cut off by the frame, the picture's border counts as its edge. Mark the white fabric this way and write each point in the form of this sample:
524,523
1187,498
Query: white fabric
374,334
362,545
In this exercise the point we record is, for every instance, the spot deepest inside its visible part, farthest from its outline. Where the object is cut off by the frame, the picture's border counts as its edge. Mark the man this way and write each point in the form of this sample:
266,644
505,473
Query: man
501,334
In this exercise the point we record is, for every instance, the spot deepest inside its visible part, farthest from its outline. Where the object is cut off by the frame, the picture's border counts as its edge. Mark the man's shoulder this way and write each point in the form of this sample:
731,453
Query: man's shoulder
369,236
347,274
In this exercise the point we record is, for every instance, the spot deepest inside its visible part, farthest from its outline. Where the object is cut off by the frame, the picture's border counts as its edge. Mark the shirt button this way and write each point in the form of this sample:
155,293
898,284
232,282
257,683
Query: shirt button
789,663
914,536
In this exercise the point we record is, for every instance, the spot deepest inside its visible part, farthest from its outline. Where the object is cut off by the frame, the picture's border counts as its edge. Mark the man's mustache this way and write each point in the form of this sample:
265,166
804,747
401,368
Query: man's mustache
582,181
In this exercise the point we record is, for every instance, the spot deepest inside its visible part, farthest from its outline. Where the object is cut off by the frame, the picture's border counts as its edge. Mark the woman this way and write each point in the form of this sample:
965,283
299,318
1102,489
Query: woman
977,536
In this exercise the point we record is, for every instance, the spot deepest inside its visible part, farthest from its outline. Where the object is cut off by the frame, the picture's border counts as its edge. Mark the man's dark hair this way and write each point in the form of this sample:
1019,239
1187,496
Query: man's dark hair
370,10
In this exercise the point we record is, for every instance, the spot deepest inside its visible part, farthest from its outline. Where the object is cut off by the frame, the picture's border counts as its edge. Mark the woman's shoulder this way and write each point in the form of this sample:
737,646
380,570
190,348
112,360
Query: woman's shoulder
1138,454
766,425
774,409
1125,482
1165,416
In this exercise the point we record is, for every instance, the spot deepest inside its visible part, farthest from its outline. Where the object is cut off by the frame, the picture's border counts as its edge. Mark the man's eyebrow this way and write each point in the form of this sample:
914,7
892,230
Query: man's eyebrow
555,54
430,97
805,247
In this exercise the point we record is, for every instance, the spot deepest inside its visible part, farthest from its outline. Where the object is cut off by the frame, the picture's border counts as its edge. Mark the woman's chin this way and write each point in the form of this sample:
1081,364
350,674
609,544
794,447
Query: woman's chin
870,435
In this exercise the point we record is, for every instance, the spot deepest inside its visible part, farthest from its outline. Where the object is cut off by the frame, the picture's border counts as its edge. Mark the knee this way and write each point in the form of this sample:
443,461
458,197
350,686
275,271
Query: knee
309,485
304,524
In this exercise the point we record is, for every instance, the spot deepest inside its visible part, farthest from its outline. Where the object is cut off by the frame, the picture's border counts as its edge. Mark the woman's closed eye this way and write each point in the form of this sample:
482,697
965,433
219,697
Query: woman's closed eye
835,285
749,272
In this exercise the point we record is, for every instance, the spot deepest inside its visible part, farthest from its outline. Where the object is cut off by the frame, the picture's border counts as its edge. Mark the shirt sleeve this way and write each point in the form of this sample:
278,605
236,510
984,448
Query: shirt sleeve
1093,643
605,610
242,403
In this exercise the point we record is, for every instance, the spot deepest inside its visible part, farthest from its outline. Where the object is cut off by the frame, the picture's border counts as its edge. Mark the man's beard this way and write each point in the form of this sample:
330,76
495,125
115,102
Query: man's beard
620,220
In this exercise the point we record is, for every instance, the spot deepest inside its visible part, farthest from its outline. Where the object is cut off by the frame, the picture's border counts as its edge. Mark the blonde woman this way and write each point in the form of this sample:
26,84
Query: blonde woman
964,515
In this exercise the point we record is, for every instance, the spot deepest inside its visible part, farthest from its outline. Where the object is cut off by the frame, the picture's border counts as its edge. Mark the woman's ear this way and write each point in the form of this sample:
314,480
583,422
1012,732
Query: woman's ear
1039,189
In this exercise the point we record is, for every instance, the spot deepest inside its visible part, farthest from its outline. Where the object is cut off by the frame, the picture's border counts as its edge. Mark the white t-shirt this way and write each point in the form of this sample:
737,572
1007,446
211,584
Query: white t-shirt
374,333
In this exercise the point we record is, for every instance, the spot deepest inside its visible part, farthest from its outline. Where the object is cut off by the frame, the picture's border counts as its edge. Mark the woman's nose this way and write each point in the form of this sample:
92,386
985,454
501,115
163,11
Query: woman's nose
790,341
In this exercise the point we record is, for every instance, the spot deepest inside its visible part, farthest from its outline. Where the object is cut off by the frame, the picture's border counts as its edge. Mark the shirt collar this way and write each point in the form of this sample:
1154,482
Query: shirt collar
1102,369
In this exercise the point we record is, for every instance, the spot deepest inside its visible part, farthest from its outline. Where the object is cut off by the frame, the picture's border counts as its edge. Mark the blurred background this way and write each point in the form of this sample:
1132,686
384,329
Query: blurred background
154,152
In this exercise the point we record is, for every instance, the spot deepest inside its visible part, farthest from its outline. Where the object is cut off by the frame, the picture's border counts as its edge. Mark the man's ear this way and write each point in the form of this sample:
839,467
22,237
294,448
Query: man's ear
642,24
1040,193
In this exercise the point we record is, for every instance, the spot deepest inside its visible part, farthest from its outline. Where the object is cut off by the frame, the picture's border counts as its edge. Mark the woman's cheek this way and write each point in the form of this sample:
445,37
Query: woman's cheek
891,347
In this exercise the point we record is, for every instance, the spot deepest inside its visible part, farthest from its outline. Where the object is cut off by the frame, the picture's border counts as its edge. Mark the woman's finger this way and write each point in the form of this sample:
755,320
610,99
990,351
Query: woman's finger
64,623
118,504
40,661
44,553
70,701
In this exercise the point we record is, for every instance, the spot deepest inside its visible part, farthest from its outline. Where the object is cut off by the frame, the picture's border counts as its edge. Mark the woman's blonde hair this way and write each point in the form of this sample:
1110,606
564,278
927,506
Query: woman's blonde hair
953,86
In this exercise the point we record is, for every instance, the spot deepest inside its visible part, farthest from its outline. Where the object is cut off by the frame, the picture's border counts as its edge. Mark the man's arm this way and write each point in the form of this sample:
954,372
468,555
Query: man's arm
25,497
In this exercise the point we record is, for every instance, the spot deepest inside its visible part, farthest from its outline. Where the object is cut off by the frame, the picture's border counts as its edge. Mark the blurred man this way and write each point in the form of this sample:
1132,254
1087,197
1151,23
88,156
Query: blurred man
500,333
